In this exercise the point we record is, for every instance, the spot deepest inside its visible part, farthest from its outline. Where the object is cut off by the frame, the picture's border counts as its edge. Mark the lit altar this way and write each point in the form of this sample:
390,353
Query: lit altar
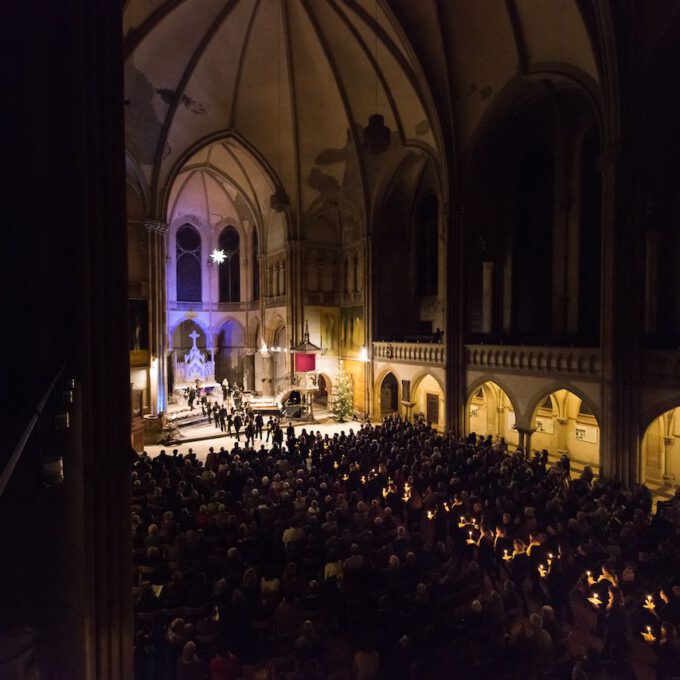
194,367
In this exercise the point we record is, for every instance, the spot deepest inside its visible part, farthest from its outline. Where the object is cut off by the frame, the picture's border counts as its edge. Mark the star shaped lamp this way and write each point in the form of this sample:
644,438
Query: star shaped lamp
217,256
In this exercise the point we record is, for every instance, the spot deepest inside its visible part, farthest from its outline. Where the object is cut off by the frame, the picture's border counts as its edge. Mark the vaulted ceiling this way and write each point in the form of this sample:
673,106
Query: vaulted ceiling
294,81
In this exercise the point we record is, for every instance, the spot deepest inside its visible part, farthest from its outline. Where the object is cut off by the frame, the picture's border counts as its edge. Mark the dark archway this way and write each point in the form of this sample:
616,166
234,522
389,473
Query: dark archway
389,394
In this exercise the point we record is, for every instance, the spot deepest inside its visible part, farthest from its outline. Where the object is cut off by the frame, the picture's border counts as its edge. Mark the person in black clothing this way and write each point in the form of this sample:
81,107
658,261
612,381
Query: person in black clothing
259,423
250,432
230,421
238,422
204,405
223,419
216,415
270,428
192,397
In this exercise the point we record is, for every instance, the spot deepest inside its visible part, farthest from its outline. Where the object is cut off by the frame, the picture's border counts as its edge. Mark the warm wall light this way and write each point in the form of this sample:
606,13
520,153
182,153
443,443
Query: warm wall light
363,354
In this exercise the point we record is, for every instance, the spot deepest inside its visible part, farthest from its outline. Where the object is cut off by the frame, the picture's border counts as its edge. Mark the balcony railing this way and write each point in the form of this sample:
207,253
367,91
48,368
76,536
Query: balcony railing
433,354
583,361
213,306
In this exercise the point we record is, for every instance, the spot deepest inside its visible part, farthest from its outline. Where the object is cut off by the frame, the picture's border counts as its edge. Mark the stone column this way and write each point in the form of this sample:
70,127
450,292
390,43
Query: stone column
621,311
561,426
158,232
455,321
653,240
267,386
487,297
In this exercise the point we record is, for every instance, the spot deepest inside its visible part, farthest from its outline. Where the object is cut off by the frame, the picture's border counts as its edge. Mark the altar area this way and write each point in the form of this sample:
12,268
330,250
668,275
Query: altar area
195,367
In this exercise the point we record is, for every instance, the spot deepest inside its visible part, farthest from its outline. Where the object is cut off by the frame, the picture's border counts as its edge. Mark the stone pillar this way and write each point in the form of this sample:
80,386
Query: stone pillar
487,297
561,426
66,570
621,310
455,321
282,278
267,386
524,438
653,240
157,234
666,443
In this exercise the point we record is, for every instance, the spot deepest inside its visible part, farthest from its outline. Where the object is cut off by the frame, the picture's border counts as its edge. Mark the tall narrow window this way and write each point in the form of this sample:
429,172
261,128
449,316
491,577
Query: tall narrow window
256,267
188,254
230,269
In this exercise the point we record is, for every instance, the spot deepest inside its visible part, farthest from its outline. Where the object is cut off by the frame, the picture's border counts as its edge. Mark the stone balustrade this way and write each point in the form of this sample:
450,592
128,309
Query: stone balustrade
582,361
425,353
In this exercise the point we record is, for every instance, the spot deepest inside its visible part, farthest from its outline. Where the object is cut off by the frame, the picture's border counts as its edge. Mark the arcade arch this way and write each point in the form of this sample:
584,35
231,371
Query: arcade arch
230,349
565,423
427,393
389,394
490,412
661,450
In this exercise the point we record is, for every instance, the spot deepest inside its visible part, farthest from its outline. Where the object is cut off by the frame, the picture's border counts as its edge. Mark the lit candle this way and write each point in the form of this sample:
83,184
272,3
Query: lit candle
470,534
462,519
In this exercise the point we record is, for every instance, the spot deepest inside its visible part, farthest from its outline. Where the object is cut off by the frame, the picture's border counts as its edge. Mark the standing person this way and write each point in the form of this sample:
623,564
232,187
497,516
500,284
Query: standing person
204,405
237,398
223,419
216,415
225,389
238,422
250,432
192,397
277,437
270,428
230,421
259,423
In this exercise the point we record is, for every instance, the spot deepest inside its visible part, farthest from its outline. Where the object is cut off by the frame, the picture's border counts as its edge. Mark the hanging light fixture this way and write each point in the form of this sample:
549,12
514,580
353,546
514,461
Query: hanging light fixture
376,135
279,200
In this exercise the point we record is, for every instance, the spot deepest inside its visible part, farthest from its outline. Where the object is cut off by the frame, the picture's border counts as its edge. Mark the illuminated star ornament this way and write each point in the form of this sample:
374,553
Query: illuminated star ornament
217,256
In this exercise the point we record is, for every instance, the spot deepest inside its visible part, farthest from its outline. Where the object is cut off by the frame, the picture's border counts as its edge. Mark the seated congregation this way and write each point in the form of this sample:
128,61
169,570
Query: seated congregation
394,551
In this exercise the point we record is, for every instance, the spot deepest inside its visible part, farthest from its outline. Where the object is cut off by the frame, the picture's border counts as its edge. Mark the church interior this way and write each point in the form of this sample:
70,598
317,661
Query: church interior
433,246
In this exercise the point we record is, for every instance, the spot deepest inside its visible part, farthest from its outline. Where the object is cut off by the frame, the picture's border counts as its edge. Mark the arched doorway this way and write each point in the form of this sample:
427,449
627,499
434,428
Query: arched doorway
389,394
565,424
230,349
661,450
324,389
279,349
491,412
427,393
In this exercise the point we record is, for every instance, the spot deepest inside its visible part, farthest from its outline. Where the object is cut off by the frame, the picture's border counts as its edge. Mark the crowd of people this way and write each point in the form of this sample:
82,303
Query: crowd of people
234,415
395,551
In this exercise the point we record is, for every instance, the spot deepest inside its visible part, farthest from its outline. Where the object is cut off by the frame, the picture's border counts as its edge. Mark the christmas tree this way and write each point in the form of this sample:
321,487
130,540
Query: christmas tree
343,396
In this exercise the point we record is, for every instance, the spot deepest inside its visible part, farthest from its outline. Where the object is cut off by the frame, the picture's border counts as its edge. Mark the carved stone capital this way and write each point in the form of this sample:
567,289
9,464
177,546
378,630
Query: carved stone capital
156,226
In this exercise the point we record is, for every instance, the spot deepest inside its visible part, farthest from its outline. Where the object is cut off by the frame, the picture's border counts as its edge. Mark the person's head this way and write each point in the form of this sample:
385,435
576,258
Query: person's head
668,632
476,607
393,562
189,652
547,613
535,621
308,629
